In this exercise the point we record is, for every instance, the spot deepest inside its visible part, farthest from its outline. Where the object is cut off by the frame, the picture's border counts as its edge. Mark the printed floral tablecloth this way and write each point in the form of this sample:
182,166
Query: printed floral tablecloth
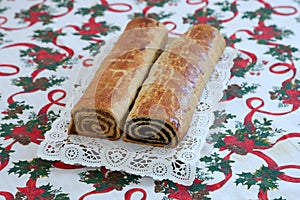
255,139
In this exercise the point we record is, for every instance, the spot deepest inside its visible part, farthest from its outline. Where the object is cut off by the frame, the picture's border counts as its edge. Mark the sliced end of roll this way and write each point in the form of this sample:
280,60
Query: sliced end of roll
149,131
94,123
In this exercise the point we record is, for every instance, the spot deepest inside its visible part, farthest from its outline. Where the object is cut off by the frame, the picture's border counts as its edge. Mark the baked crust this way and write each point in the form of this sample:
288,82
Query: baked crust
164,107
101,109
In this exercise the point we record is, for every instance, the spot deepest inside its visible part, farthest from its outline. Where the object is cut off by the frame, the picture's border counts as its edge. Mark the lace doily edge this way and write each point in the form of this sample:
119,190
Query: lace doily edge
191,167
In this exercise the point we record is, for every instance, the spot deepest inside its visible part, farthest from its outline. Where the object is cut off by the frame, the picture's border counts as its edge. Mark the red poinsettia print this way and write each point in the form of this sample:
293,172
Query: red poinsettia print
293,97
238,146
205,19
92,28
288,93
37,16
264,32
203,16
42,44
242,63
25,135
198,181
43,57
240,66
181,193
31,192
36,13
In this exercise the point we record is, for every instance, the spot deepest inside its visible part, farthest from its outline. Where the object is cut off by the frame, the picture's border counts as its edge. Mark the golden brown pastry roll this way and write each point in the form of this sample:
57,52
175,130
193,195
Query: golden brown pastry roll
101,109
164,107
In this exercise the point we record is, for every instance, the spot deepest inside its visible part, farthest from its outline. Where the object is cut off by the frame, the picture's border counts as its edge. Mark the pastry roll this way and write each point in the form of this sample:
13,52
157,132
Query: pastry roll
101,110
164,107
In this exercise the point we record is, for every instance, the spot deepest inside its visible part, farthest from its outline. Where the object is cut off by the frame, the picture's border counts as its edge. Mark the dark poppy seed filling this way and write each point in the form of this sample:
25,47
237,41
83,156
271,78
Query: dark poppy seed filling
96,123
150,131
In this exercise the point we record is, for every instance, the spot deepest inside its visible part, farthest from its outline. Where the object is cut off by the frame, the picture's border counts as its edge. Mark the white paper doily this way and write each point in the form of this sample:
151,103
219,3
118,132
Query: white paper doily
178,164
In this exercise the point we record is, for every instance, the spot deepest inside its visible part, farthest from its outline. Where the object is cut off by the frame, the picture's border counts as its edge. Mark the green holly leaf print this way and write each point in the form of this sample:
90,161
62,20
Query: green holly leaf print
35,14
283,52
288,93
264,129
95,11
157,3
280,198
6,128
44,57
1,37
203,16
94,47
53,193
14,109
221,118
43,83
31,131
264,34
238,91
246,178
102,179
242,66
64,3
263,177
196,187
215,163
202,174
21,168
2,10
246,137
216,138
262,14
37,168
232,42
4,154
165,186
46,35
262,142
227,6
157,16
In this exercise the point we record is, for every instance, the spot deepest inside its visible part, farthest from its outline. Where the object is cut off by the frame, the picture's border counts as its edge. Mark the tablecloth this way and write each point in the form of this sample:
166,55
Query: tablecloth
254,145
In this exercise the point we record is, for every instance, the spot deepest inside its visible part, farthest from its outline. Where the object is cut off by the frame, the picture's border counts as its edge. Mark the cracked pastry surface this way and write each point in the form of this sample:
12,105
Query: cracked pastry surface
101,109
164,107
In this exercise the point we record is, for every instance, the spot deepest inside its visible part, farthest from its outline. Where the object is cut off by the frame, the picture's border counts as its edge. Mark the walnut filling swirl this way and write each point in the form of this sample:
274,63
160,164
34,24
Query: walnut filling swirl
96,123
151,131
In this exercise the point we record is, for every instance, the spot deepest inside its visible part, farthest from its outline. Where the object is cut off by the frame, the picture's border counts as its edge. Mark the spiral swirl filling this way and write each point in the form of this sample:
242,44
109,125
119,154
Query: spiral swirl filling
150,131
95,123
